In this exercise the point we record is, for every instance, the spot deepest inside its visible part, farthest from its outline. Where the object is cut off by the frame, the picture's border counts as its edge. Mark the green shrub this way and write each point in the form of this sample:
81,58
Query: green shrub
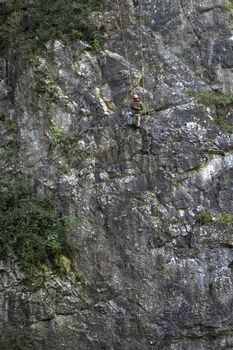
61,141
11,138
30,227
7,344
3,114
205,218
32,23
221,121
210,98
223,103
231,266
225,218
11,145
228,5
46,88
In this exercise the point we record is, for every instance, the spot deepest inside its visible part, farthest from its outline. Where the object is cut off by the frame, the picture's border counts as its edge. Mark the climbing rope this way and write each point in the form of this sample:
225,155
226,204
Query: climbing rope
141,24
124,44
138,291
146,109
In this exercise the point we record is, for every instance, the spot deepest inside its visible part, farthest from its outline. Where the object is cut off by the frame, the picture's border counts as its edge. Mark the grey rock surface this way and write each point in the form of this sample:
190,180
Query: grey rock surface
154,276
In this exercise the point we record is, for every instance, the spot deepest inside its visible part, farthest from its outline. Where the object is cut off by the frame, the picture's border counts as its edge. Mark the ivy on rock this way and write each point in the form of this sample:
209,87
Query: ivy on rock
31,23
34,232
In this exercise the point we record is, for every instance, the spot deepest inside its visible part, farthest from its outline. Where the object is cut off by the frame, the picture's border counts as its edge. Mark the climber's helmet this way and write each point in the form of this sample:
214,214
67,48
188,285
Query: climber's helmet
136,97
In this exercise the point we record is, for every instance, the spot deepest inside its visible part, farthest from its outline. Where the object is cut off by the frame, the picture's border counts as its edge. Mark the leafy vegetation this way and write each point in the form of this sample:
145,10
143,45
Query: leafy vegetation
3,114
10,139
30,227
10,144
205,218
231,266
46,86
59,140
6,344
228,5
31,23
223,102
221,121
210,98
225,218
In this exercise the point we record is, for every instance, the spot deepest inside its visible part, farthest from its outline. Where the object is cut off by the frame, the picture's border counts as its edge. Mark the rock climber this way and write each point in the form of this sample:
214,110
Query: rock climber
136,109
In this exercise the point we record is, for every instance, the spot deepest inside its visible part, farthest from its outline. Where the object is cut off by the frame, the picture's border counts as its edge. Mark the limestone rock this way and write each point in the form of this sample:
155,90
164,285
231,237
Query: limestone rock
155,274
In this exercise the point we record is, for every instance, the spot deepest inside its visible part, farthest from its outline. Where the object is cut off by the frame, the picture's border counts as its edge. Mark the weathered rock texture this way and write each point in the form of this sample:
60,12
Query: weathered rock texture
154,276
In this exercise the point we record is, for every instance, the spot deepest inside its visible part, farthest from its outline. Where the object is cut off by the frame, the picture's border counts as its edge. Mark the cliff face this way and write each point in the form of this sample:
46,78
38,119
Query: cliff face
152,206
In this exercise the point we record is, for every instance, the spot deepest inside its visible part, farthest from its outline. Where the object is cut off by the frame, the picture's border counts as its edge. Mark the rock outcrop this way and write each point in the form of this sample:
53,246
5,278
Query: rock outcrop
152,206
